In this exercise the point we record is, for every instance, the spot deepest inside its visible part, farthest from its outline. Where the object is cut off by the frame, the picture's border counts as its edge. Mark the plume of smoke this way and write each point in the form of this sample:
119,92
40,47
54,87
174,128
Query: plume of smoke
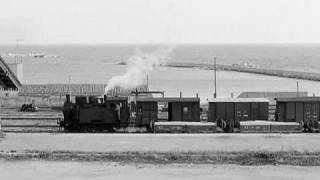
139,65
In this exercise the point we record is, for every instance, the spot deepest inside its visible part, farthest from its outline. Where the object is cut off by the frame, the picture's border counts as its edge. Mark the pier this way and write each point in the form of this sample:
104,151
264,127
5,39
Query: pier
262,71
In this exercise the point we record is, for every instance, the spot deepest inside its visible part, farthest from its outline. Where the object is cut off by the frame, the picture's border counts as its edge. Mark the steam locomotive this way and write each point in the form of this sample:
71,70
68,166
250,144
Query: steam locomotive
94,114
100,114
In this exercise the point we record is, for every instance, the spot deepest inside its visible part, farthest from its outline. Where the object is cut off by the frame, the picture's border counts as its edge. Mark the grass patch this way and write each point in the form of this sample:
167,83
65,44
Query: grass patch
240,158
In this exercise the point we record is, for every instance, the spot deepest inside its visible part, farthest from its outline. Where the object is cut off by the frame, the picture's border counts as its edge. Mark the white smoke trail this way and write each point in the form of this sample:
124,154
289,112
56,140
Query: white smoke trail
138,66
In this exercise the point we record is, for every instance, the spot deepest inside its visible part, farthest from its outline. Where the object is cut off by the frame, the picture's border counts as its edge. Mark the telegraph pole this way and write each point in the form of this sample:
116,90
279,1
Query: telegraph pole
70,85
297,88
215,78
147,82
17,59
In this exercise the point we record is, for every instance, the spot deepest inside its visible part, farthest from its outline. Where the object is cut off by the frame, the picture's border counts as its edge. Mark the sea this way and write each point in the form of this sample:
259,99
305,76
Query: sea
47,64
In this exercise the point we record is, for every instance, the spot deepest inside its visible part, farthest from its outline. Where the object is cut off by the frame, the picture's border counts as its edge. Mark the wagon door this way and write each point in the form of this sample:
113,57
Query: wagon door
187,112
255,111
147,111
315,111
307,112
243,111
220,111
299,112
290,112
176,111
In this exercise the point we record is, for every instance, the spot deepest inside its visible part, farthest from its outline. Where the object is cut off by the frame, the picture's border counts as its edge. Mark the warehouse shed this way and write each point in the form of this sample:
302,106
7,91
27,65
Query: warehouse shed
272,95
238,109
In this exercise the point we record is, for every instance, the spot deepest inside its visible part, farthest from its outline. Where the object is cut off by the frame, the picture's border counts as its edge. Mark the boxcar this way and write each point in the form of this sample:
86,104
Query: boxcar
228,113
305,110
183,109
146,111
179,109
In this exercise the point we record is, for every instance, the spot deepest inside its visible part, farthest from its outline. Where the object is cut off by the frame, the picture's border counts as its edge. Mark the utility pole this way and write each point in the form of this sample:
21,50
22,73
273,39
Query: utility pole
297,88
18,42
215,78
17,59
70,85
147,82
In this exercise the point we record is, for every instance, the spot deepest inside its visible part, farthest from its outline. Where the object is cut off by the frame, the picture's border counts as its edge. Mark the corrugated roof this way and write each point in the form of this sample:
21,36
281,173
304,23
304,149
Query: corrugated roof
238,100
299,99
7,78
168,99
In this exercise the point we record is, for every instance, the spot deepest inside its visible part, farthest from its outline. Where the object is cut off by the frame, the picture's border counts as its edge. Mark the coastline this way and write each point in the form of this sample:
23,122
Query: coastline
261,71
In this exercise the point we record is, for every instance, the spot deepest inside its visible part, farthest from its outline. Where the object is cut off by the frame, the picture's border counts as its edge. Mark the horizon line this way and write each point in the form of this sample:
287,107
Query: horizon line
151,44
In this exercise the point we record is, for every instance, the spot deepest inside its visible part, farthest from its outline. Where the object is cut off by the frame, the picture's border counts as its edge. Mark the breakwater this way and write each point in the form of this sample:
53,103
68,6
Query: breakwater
262,71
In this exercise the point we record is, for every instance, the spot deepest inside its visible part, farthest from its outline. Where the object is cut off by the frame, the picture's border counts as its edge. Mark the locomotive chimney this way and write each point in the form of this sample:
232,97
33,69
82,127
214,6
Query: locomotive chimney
67,98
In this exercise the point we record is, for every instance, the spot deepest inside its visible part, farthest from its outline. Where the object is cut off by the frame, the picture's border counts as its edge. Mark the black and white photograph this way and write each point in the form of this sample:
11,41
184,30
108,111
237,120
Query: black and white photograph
159,89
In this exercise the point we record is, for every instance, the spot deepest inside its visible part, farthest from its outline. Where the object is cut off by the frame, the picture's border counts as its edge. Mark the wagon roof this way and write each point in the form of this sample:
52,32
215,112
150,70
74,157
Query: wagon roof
299,99
116,98
168,99
238,100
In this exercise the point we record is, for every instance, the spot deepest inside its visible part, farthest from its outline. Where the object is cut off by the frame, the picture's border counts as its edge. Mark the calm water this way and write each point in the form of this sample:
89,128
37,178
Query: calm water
97,64
296,57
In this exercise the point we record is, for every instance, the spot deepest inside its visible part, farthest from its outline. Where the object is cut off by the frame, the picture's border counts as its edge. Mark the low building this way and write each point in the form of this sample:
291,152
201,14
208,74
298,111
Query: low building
272,95
17,68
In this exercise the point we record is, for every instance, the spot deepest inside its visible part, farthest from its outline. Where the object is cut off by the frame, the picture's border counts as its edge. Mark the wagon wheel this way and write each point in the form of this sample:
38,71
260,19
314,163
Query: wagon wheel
83,128
111,129
150,127
91,129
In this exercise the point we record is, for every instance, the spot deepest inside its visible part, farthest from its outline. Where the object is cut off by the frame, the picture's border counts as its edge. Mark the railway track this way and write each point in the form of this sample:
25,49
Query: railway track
31,123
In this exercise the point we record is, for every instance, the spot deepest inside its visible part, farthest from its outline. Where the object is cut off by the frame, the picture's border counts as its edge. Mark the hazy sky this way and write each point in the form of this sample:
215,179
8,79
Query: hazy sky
160,21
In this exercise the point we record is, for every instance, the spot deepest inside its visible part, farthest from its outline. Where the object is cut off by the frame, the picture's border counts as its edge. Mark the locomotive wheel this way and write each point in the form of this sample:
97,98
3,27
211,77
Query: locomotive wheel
92,129
83,128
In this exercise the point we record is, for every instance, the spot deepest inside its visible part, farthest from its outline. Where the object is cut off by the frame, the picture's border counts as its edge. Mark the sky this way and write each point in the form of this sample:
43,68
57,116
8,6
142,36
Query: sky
159,21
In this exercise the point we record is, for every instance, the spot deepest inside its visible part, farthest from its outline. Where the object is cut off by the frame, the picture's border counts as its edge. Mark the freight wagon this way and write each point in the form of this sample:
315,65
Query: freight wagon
304,110
177,108
228,113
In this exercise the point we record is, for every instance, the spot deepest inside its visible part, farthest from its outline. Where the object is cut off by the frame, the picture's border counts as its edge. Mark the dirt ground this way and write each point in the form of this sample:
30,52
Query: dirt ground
159,142
53,170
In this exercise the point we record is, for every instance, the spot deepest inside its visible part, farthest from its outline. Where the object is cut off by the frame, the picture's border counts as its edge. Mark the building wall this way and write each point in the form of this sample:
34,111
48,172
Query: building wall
17,69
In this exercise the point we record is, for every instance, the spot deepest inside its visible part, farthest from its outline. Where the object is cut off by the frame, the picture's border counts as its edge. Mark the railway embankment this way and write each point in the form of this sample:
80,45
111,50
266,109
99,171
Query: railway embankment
263,71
